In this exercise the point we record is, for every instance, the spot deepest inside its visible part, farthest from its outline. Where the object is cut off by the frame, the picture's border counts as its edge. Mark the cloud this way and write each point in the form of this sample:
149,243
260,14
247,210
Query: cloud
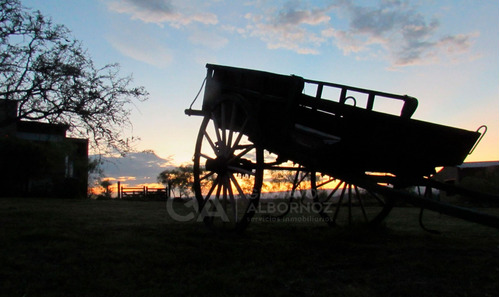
177,14
162,11
208,39
142,48
404,34
288,27
135,168
392,30
293,16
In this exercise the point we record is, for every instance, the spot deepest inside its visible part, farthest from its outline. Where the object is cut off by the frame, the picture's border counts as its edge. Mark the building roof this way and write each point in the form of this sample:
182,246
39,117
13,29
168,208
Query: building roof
478,164
45,128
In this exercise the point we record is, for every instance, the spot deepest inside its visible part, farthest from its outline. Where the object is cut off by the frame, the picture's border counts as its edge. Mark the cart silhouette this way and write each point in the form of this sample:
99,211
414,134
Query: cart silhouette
361,160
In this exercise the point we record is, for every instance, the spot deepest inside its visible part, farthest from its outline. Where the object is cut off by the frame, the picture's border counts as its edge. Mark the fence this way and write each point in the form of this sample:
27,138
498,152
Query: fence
144,192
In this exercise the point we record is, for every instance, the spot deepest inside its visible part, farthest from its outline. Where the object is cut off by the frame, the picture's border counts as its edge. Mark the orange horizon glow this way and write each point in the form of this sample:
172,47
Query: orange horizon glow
99,190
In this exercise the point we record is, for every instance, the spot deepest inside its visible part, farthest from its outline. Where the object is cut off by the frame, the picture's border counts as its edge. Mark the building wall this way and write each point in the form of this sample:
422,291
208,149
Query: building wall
37,159
8,114
477,176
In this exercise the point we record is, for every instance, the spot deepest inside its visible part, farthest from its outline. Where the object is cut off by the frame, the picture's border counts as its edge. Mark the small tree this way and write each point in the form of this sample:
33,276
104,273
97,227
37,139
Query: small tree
167,177
106,184
180,178
285,179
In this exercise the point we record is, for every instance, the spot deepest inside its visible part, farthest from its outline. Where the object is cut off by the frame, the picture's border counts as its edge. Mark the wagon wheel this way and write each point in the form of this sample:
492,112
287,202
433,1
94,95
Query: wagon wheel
228,170
290,179
341,203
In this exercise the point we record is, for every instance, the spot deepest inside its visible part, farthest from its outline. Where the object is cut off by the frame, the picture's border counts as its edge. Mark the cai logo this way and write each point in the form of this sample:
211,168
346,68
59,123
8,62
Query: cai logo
188,210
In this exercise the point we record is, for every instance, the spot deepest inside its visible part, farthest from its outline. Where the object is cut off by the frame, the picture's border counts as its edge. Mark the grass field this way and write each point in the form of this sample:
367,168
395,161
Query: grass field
56,247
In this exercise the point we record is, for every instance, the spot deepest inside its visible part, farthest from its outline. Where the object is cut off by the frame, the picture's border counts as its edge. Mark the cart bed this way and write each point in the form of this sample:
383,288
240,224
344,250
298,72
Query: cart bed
333,136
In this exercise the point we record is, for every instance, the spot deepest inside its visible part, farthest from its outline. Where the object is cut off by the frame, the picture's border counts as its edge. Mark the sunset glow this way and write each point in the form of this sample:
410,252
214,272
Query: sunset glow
444,53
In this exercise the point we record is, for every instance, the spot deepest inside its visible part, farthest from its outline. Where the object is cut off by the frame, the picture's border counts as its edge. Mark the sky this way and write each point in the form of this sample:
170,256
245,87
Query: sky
443,52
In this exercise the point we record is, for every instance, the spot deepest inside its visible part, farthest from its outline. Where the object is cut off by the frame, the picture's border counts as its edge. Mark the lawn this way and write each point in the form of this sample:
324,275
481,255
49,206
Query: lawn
53,247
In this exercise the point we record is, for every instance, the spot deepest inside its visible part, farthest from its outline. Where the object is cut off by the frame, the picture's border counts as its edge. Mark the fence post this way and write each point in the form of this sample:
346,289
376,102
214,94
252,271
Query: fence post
118,190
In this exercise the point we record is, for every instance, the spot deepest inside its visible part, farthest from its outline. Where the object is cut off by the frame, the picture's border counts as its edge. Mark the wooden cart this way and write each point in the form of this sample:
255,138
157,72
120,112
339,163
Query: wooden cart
255,122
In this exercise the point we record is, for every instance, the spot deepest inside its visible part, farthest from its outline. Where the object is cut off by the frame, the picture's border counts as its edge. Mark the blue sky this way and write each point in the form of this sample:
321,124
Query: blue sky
445,53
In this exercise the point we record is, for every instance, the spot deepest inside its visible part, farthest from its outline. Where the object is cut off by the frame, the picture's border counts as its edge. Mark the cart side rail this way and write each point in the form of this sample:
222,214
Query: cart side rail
287,87
409,103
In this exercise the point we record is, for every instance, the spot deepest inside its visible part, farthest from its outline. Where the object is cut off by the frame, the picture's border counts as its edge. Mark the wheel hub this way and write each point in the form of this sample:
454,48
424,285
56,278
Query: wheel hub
219,164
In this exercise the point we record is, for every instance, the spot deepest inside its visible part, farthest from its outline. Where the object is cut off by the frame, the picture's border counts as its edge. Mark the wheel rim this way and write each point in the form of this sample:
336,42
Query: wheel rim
227,167
344,204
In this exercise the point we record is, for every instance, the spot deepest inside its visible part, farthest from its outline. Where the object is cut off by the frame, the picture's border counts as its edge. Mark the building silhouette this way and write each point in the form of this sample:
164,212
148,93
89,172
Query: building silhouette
38,160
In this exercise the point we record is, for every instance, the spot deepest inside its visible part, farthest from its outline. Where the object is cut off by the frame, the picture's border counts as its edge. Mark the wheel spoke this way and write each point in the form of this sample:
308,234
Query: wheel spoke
376,197
238,187
240,170
324,183
242,146
207,175
224,197
219,186
361,203
240,135
232,200
244,152
212,188
297,180
217,129
212,145
231,124
333,191
223,123
206,157
339,203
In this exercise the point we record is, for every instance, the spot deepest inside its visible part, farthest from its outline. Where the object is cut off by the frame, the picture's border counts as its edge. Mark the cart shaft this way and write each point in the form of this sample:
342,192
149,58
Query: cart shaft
436,205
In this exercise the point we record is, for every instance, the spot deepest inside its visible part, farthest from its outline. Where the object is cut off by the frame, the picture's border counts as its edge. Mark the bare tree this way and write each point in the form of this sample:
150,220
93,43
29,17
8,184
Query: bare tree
53,79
